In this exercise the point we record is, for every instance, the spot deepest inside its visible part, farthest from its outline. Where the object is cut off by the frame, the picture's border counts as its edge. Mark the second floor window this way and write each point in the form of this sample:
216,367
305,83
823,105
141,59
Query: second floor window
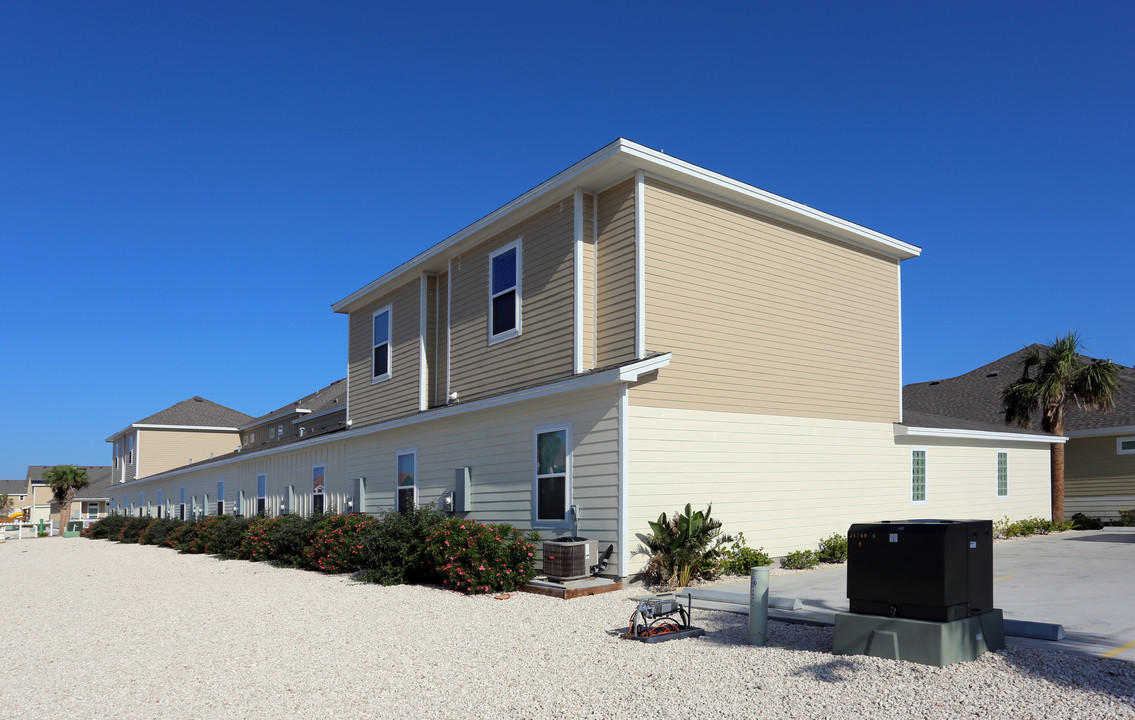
380,363
504,292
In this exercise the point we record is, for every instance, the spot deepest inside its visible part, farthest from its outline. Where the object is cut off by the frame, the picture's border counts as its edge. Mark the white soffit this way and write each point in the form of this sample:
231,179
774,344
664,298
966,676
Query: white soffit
610,165
960,434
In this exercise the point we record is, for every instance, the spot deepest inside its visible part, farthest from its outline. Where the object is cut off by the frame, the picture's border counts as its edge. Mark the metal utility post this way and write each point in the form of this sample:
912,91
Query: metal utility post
758,605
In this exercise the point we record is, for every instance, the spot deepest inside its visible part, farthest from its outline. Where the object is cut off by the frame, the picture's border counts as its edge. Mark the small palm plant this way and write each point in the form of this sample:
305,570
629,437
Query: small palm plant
684,546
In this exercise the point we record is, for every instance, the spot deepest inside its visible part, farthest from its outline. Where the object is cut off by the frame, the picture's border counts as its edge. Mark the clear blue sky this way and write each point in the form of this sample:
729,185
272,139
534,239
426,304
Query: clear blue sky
181,183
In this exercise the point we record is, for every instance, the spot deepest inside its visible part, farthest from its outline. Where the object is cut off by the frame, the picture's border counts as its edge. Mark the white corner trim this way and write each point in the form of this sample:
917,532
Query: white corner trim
639,264
959,434
577,285
423,311
624,483
898,282
448,325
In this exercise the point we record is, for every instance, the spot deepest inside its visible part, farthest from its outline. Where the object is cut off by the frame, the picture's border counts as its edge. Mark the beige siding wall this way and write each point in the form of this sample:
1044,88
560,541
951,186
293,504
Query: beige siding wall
764,318
615,306
1098,481
438,389
787,481
167,449
499,445
588,289
375,402
543,351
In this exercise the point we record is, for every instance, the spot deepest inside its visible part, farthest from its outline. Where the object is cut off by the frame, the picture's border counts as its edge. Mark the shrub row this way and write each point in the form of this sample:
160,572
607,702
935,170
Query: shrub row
1029,526
421,545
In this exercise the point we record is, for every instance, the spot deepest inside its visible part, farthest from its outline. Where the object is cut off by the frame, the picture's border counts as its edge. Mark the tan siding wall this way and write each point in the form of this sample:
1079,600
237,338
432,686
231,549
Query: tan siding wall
764,318
167,449
1098,481
615,328
430,339
543,351
374,402
786,481
499,445
441,343
587,287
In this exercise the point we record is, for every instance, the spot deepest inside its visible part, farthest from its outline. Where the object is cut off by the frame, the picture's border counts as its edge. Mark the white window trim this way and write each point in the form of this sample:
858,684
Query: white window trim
314,466
1008,485
568,479
389,344
1119,446
910,480
397,488
514,332
263,497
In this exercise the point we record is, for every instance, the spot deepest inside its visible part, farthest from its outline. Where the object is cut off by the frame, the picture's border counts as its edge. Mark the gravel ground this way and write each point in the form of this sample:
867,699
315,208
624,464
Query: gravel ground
154,634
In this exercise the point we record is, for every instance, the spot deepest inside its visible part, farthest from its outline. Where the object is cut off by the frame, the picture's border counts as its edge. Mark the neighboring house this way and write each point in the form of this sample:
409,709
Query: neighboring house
1099,459
321,412
632,335
192,430
16,490
90,502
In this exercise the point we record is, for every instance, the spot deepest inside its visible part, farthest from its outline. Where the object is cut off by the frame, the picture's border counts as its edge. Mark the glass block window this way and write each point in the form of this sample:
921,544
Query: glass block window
918,476
504,292
380,363
407,479
552,475
1002,474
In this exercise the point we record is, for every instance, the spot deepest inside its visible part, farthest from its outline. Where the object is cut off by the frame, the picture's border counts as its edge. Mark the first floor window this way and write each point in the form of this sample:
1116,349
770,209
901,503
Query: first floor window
261,494
181,507
1002,474
552,474
318,481
220,497
407,479
918,476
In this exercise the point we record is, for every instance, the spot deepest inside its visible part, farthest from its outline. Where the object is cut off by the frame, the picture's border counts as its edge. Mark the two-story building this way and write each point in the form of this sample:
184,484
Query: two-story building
632,335
191,430
37,500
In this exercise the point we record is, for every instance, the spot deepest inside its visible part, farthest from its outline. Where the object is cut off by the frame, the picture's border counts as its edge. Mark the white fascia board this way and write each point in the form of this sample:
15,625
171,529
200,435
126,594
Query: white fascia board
1101,432
185,427
624,155
960,434
583,382
313,415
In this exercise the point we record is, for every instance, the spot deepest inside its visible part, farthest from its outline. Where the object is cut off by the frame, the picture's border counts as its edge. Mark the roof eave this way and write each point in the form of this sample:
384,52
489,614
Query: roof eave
963,434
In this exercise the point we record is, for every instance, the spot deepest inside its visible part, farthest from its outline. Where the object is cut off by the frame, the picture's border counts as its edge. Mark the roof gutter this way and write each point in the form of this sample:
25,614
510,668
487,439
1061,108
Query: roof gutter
960,434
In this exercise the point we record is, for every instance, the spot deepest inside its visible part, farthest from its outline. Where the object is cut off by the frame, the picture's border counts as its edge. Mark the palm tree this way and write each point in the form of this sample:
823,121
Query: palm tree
64,481
6,504
1051,378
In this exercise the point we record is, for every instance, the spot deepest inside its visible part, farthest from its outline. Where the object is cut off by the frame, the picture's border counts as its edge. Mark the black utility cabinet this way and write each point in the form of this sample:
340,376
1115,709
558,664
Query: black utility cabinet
938,570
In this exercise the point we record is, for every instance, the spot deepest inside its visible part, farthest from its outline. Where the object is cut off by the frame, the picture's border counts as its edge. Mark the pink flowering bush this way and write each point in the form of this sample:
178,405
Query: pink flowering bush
337,544
473,558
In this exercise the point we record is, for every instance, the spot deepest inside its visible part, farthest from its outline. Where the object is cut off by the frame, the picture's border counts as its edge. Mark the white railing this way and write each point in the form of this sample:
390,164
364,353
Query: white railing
24,530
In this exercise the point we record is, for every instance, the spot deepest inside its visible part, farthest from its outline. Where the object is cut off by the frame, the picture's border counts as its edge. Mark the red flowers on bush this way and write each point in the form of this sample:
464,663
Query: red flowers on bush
473,558
336,546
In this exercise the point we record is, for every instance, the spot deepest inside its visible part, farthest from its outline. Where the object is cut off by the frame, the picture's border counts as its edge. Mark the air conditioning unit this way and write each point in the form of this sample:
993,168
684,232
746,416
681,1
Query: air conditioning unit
570,558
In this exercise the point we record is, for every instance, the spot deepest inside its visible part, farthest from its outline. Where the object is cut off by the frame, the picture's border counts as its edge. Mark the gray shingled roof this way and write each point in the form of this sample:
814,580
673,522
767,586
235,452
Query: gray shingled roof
326,398
98,475
197,411
976,398
13,487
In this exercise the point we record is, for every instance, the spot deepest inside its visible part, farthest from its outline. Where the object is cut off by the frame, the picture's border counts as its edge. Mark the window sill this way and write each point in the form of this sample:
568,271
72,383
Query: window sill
494,339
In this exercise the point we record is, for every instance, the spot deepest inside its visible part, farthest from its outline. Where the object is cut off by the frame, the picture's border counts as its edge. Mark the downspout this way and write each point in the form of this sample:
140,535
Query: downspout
624,483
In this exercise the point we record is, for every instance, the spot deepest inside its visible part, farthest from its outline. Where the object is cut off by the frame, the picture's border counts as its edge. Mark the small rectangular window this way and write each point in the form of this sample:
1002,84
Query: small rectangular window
1002,474
261,494
271,433
1125,446
318,485
130,452
280,431
220,497
407,481
504,292
552,489
917,476
380,360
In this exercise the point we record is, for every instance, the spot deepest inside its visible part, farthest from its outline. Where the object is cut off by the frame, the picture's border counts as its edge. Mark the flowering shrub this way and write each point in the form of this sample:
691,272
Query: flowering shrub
337,543
158,531
279,540
474,558
254,545
133,528
217,535
108,528
394,548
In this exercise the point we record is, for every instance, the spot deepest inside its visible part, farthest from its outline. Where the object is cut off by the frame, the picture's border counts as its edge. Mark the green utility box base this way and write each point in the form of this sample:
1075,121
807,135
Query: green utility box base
74,529
919,641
